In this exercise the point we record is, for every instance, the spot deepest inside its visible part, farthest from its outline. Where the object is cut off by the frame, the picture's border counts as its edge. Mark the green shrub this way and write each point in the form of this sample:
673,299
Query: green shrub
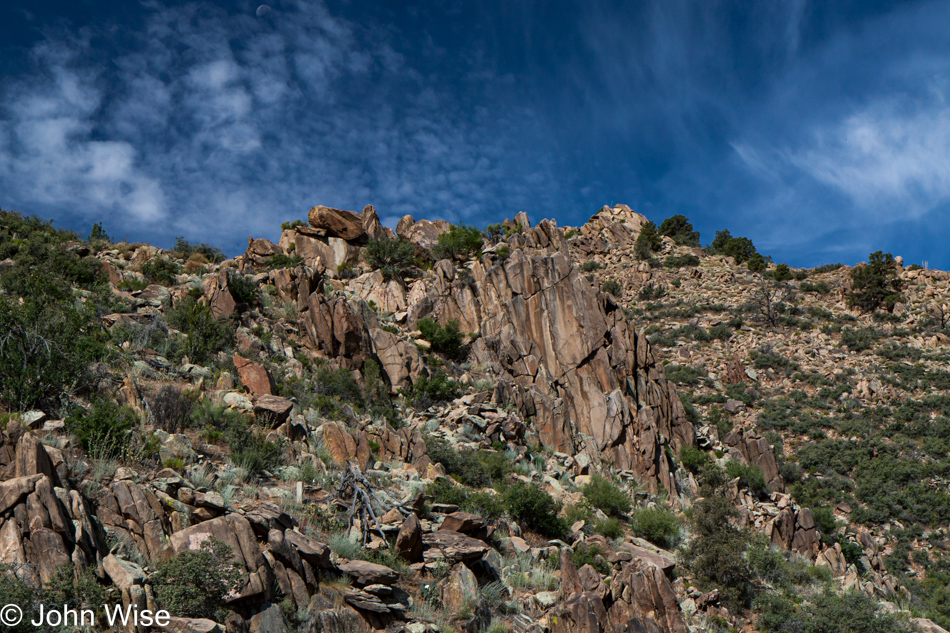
650,292
46,344
657,525
828,612
609,528
337,383
463,466
750,477
612,287
280,260
483,503
858,339
160,270
679,228
607,496
244,290
568,234
445,339
184,249
590,266
827,525
194,584
292,224
459,242
533,508
715,555
392,256
205,334
584,554
875,284
819,288
757,263
782,273
251,450
680,261
648,241
739,248
105,430
695,460
425,391
683,374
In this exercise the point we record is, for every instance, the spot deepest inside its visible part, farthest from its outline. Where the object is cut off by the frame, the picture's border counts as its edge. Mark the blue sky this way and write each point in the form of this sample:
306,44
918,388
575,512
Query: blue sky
821,130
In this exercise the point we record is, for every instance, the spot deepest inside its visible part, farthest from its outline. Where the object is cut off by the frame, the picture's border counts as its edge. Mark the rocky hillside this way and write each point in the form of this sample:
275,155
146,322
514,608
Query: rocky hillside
527,428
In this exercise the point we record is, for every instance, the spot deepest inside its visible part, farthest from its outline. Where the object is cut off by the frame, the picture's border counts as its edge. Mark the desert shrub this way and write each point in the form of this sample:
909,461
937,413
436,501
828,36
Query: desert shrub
827,525
821,287
683,374
609,528
782,273
590,266
649,292
612,287
680,261
828,612
534,508
15,591
858,339
680,229
695,460
194,584
458,242
171,408
281,260
757,263
568,234
376,393
750,477
715,555
445,339
648,241
584,554
160,270
657,525
464,466
425,391
607,496
205,334
875,284
46,343
105,430
244,290
337,383
392,256
252,451
184,249
482,503
739,248
292,224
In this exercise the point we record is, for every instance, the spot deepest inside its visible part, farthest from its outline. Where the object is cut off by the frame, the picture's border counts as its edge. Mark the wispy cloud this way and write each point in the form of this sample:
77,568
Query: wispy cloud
885,156
216,125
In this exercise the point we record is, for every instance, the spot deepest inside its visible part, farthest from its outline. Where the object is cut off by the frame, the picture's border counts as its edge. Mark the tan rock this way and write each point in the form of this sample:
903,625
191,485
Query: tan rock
336,222
365,573
409,539
253,376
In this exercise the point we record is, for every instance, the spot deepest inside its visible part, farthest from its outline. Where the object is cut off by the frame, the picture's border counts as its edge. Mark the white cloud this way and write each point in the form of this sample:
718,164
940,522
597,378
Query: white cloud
885,155
218,125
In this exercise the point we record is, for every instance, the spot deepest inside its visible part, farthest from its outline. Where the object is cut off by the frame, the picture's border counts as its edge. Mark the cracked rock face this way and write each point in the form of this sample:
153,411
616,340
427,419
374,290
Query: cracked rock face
565,355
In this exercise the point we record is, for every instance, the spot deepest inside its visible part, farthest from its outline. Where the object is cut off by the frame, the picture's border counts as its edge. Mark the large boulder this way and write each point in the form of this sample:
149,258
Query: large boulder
409,539
337,222
254,376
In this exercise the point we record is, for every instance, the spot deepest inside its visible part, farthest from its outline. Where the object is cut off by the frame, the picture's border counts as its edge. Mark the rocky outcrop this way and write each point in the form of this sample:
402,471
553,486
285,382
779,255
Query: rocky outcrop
336,222
756,451
566,356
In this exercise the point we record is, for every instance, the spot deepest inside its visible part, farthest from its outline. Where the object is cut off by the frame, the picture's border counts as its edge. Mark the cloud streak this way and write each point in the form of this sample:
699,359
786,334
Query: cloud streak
214,124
